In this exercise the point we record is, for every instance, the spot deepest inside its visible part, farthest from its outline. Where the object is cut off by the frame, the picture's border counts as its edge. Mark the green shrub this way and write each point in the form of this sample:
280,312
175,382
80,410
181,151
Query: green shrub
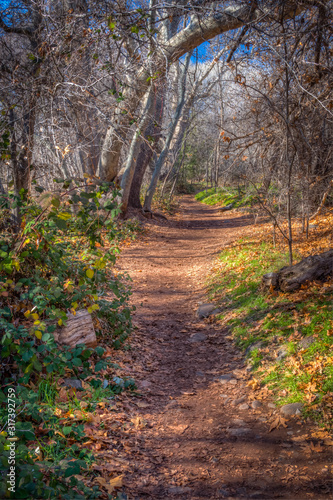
55,262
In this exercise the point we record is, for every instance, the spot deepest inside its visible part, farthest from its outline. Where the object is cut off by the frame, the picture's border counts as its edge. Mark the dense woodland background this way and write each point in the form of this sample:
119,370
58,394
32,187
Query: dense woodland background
145,92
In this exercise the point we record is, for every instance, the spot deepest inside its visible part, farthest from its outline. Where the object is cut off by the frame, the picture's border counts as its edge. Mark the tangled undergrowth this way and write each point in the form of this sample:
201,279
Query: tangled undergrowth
59,260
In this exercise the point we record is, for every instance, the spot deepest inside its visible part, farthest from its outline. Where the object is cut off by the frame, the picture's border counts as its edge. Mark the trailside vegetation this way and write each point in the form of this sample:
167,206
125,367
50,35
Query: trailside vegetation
286,337
58,260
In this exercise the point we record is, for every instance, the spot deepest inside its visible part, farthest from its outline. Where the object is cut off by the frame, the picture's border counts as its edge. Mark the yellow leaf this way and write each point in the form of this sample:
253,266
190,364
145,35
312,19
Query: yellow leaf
35,316
90,273
101,481
114,483
38,334
60,434
254,384
60,322
27,314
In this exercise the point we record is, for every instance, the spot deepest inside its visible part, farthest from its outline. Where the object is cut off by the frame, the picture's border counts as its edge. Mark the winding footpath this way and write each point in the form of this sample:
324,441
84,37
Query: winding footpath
198,436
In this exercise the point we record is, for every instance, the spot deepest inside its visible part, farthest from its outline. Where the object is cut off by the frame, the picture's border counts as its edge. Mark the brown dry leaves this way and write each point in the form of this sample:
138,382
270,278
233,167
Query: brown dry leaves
278,422
110,485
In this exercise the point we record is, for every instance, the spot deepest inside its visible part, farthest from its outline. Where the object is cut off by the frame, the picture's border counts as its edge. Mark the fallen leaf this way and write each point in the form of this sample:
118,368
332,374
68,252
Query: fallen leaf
277,423
114,483
254,384
316,447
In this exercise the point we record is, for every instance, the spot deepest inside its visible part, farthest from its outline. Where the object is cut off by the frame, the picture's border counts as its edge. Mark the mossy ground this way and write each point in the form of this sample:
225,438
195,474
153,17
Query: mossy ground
224,196
279,322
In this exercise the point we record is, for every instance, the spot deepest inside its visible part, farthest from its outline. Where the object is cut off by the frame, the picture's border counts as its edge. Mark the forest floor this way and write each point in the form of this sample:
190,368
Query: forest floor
184,436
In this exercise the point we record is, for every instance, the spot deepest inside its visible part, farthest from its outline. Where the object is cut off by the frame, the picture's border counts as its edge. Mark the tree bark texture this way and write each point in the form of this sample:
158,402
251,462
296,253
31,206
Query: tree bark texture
291,278
198,31
79,330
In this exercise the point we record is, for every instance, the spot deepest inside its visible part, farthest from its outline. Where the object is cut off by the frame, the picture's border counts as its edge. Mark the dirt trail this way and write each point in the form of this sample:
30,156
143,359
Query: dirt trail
191,441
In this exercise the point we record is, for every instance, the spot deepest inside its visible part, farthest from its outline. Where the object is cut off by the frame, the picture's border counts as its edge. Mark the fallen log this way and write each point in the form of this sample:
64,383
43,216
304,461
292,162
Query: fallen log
78,330
227,207
290,278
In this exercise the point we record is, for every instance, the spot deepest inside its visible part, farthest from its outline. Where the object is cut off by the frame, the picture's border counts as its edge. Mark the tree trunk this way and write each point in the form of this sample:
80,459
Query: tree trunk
173,125
291,278
133,153
146,153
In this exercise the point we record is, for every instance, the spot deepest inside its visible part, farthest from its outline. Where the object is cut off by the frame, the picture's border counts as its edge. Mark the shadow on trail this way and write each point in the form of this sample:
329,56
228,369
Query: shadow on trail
187,449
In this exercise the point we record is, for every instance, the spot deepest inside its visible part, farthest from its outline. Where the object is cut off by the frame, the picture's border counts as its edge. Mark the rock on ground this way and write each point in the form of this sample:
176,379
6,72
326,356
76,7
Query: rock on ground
198,337
206,310
291,409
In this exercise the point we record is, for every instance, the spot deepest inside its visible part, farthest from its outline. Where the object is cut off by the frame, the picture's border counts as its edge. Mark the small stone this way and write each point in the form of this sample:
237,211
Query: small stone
233,381
205,310
144,383
262,419
241,431
224,493
256,404
199,373
257,495
291,409
225,378
198,337
73,382
252,347
238,401
244,406
227,207
281,354
179,490
271,405
238,421
306,342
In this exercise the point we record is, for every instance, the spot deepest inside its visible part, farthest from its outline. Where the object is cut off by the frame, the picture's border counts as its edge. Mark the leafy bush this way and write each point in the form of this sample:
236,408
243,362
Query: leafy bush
58,260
